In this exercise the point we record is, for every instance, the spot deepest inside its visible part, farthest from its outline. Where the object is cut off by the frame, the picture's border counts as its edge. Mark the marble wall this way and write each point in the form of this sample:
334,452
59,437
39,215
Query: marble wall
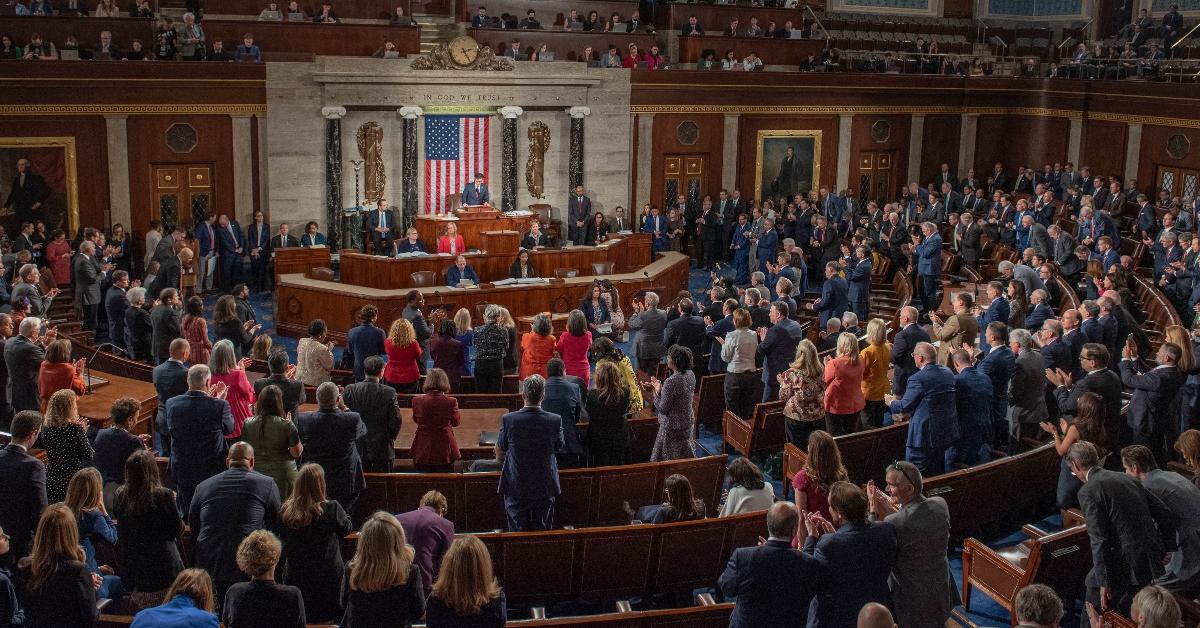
374,89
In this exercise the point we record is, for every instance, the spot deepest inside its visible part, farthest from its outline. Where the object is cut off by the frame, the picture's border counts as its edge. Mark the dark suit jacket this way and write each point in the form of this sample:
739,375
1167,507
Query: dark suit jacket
1129,528
529,438
87,280
138,332
1027,388
858,559
565,399
198,425
23,359
115,304
228,243
362,342
224,510
968,244
330,439
430,535
375,404
686,331
293,391
169,274
22,496
277,241
772,585
472,197
578,211
834,299
1040,313
902,345
170,381
1057,355
1155,402
528,242
164,321
929,397
373,220
778,349
1103,382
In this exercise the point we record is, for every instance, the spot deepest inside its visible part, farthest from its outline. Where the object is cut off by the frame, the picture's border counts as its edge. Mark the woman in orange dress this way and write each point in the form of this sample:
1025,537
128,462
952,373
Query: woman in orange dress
537,347
57,372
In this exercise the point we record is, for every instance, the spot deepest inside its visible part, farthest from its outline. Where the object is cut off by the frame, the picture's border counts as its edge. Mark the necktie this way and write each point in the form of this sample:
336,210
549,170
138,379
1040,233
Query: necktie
282,241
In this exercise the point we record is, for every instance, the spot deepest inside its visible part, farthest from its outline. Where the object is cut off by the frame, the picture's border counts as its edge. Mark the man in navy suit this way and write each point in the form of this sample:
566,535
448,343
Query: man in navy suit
1154,407
579,211
231,248
364,341
834,295
772,584
198,422
528,440
909,336
777,348
718,329
460,271
206,235
1055,350
656,226
1107,255
996,311
1108,329
929,398
382,225
565,398
331,436
23,491
929,264
258,243
170,381
476,193
859,279
1040,311
998,365
973,405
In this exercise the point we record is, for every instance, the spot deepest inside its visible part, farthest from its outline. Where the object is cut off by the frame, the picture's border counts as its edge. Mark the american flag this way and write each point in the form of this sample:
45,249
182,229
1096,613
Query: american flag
456,147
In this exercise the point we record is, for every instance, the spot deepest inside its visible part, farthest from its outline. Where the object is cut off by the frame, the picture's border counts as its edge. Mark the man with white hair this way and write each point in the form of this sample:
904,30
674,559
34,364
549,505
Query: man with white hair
929,264
1026,389
1039,311
1022,273
929,398
27,193
23,355
87,283
197,422
29,290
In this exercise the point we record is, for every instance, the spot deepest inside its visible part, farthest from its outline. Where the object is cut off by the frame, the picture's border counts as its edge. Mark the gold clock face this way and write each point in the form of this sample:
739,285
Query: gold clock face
463,50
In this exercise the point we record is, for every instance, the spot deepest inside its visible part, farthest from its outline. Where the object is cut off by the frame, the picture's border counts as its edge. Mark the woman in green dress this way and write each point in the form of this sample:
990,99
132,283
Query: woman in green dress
275,440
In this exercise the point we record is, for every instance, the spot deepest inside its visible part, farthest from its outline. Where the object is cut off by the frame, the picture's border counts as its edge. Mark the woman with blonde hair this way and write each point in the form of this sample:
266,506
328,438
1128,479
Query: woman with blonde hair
466,335
226,369
403,353
275,440
737,350
844,399
189,604
260,349
822,468
466,593
312,531
385,583
876,359
802,391
85,498
57,588
512,355
65,440
262,603
1189,365
57,372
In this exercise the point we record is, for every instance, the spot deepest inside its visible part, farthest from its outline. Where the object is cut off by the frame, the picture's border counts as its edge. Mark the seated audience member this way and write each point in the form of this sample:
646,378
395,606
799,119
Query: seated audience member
434,448
384,587
449,354
218,52
528,440
85,498
66,443
411,243
672,403
293,390
275,440
189,604
247,51
57,372
466,593
535,238
429,533
522,268
312,235
312,528
859,555
375,403
596,231
403,356
1038,605
294,13
451,242
326,15
748,490
1152,607
460,274
226,369
113,446
270,14
771,584
57,588
679,504
1182,499
314,354
822,468
262,602
400,19
149,527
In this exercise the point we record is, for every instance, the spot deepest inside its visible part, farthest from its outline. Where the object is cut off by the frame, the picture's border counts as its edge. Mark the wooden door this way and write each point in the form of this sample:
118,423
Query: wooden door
686,174
1178,181
875,176
183,194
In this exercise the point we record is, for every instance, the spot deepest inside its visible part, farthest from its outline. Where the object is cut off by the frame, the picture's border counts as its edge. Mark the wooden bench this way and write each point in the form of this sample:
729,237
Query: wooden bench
590,497
985,494
762,435
865,454
1057,560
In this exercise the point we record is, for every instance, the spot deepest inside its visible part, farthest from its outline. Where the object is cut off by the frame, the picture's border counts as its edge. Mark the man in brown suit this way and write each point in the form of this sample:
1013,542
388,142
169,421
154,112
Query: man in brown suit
954,331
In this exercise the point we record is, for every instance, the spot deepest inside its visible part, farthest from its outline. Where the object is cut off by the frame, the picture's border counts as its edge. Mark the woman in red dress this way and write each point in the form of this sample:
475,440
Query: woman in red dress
434,448
573,346
58,254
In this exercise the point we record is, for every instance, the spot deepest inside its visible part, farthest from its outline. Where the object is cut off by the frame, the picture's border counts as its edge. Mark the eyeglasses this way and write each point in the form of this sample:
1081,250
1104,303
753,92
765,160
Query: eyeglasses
896,467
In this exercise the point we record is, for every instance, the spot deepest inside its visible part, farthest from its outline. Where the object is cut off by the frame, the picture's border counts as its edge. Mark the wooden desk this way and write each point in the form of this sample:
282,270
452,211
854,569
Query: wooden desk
86,29
299,299
470,226
474,422
354,40
386,273
714,18
97,407
772,51
301,259
566,45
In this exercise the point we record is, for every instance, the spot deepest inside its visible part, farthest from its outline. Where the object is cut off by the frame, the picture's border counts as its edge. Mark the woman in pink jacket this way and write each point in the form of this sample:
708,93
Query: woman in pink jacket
844,400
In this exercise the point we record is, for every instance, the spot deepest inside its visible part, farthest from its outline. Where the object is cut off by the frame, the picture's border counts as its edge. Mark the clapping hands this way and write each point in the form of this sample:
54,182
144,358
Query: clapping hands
218,390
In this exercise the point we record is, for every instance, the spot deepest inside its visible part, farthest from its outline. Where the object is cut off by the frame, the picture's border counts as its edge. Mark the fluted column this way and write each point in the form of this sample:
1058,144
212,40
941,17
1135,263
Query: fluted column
333,174
575,168
408,165
508,154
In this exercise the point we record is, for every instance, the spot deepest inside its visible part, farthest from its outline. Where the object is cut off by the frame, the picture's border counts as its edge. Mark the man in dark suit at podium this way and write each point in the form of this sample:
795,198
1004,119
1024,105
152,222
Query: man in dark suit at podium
535,237
476,193
579,209
382,225
283,240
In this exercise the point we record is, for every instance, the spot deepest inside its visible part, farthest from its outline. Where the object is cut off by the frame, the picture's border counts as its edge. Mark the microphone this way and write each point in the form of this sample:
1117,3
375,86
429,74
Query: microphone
87,364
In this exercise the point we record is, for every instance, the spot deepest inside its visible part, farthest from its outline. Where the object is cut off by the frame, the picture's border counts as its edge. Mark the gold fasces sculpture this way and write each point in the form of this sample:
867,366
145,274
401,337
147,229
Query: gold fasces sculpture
535,165
370,148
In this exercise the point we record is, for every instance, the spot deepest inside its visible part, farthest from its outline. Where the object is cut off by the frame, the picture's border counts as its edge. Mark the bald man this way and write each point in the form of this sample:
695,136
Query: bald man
772,583
875,615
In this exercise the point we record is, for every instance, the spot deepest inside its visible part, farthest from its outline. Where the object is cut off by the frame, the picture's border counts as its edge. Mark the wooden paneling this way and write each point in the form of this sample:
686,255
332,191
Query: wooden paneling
748,129
1104,146
360,9
788,52
549,12
1016,140
128,84
358,40
1153,152
958,8
85,29
895,143
940,145
714,18
91,158
565,45
710,143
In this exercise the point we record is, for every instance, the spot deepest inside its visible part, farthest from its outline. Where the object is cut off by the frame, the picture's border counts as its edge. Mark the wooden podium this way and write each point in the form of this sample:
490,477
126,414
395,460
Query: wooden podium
472,221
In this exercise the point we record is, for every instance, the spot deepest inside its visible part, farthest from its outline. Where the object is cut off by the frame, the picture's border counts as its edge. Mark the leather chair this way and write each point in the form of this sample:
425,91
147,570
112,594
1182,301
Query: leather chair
761,434
422,279
321,273
603,268
1055,560
565,273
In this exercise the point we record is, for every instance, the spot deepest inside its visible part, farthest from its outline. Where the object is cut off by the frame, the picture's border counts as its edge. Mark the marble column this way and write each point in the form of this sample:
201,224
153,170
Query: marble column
644,163
845,128
916,144
1075,140
730,157
243,168
408,165
575,168
1133,150
508,164
117,136
333,175
969,127
263,182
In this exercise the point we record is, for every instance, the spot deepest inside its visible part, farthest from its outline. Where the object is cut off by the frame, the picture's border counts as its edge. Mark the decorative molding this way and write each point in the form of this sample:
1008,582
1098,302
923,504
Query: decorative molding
434,110
333,113
510,112
410,112
441,59
73,110
851,110
1187,123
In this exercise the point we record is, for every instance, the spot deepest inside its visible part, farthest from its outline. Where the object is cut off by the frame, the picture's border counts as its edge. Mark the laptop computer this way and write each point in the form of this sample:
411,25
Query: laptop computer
546,56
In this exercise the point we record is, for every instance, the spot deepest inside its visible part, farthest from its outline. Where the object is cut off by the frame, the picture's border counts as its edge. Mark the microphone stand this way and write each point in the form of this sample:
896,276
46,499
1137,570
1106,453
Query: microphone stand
87,364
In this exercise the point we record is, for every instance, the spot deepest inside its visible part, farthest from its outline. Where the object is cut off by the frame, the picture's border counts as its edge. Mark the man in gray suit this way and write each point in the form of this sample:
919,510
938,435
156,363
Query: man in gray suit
28,289
23,355
375,403
1039,237
649,322
1130,531
923,590
87,283
1181,498
1026,389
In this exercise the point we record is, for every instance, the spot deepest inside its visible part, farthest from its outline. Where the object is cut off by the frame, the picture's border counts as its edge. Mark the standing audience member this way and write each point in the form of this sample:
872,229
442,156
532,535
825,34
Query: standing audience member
673,405
23,491
434,448
564,397
930,402
421,330
239,332
491,345
528,440
777,346
449,354
608,436
139,327
403,354
876,358
1182,499
510,354
65,440
149,527
56,587
275,440
822,468
314,355
88,278
261,602
687,330
737,350
1154,406
362,342
1026,389
197,422
802,391
907,337
114,444
330,436
375,403
225,509
85,498
844,400
312,528
225,368
748,490
57,372
604,350
189,604
973,406
116,304
1088,425
164,324
6,411
384,588
170,380
195,331
23,355
772,585
430,534
282,377
466,595
1093,360
573,346
649,322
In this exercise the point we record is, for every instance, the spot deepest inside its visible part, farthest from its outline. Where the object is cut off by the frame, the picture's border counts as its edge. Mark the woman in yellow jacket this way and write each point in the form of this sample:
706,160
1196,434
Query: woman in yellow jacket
604,349
876,357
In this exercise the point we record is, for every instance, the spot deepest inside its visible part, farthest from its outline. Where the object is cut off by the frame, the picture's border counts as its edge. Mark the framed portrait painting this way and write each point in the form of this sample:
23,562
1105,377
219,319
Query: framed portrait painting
38,181
787,163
